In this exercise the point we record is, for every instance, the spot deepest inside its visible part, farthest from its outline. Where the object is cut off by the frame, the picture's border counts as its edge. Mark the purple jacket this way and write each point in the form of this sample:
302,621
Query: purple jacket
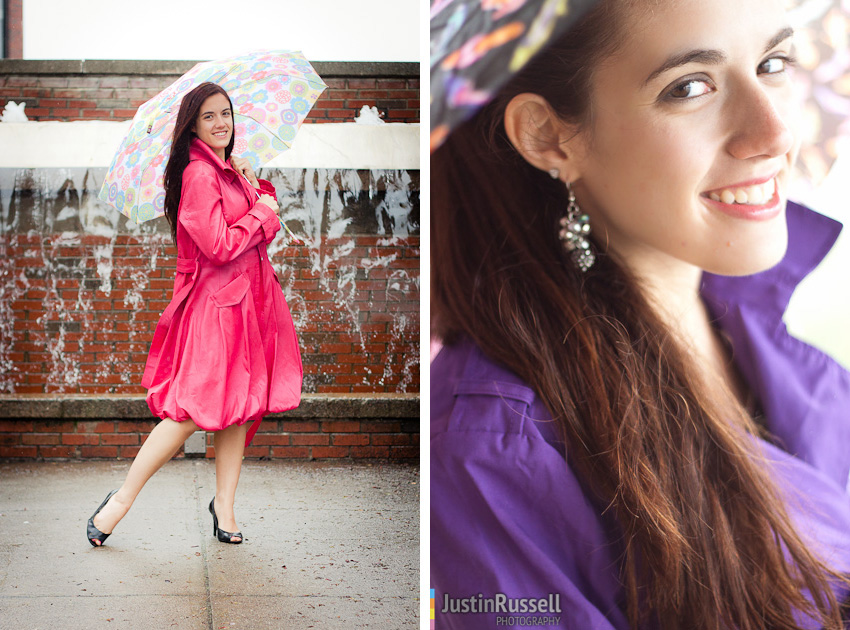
511,527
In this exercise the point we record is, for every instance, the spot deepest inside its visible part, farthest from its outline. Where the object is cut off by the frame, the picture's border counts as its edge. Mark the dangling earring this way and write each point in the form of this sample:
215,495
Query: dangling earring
575,228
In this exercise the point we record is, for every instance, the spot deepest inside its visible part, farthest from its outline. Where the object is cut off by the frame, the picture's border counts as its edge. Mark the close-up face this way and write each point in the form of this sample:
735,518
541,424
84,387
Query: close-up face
214,123
689,150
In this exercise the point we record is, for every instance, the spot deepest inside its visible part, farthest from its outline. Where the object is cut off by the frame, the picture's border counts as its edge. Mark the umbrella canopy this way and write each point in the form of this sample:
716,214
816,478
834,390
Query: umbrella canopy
477,45
272,93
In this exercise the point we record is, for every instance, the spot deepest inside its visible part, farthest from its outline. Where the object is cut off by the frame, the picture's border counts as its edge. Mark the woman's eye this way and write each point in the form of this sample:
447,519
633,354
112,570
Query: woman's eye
776,65
691,88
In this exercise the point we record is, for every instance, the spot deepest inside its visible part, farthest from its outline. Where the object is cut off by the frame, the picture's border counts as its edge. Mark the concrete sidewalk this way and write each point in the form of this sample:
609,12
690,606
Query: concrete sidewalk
327,545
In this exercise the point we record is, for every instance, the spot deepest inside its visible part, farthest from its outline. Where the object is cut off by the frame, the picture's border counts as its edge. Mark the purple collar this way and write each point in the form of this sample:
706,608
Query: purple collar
804,393
810,237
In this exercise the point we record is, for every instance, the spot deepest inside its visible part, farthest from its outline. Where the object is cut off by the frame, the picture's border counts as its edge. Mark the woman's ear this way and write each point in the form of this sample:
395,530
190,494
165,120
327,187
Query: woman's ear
540,136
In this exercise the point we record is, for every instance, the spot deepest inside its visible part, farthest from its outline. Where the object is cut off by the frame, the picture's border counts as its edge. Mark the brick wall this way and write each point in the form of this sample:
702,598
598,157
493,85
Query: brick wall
113,90
321,428
72,332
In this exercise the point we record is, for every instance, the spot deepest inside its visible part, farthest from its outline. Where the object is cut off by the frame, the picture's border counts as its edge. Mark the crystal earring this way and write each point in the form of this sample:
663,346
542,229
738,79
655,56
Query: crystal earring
575,228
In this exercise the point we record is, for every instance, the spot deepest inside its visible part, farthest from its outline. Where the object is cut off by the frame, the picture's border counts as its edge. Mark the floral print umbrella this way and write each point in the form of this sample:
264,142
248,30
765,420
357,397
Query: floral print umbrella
272,93
477,45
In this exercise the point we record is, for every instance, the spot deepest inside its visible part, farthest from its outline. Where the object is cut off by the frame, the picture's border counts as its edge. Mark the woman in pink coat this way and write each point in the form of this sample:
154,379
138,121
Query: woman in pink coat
224,352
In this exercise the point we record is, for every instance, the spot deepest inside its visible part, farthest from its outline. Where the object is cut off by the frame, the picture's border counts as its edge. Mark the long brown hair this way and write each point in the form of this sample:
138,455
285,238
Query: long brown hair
704,530
178,159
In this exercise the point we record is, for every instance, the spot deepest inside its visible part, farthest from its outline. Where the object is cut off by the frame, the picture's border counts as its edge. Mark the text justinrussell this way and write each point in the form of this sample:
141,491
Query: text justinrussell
501,603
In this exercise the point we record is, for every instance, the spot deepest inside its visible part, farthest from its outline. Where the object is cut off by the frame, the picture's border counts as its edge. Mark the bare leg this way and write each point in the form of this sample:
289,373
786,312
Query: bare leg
229,447
162,443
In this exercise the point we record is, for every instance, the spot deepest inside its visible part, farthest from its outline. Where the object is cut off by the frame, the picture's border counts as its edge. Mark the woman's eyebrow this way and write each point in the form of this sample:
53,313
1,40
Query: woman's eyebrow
710,57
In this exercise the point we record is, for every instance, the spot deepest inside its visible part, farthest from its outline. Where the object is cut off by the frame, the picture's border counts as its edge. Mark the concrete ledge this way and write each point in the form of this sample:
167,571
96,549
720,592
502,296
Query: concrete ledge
69,407
325,69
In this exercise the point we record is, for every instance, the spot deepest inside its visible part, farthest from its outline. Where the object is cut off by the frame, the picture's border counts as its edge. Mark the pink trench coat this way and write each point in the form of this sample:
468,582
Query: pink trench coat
224,351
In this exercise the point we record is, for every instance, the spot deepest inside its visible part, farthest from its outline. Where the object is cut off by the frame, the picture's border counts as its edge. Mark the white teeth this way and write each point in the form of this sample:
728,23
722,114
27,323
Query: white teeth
756,195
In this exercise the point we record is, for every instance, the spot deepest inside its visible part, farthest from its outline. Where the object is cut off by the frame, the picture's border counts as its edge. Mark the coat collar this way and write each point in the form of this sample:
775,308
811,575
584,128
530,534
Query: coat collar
810,237
200,150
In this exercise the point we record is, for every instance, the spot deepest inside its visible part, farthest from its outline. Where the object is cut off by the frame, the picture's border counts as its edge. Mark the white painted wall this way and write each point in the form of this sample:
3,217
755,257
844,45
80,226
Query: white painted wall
329,145
325,30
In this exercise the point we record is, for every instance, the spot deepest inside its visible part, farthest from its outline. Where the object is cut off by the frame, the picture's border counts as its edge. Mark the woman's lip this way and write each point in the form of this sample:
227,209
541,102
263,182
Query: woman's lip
750,182
763,212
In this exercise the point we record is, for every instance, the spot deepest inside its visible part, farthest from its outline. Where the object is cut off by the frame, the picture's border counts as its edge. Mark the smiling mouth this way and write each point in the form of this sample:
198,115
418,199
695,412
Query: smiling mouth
755,195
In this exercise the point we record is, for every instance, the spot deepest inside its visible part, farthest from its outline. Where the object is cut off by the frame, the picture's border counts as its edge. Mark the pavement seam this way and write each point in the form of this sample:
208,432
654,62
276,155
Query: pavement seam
199,511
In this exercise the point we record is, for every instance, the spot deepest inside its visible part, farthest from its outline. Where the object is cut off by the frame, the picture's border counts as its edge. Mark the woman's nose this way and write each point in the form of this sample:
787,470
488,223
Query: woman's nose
762,123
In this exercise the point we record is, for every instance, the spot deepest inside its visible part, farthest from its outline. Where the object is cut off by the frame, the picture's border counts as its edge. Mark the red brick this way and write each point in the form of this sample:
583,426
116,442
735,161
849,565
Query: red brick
351,439
10,439
322,452
335,348
57,451
404,452
96,426
290,452
384,439
53,102
18,451
99,451
352,358
361,83
392,84
15,426
341,426
268,426
256,451
64,113
370,451
54,427
142,426
299,426
40,438
372,94
381,427
120,438
90,439
310,439
129,452
270,439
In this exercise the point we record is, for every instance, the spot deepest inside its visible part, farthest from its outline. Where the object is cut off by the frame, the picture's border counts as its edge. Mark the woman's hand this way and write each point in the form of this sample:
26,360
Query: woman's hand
269,201
242,165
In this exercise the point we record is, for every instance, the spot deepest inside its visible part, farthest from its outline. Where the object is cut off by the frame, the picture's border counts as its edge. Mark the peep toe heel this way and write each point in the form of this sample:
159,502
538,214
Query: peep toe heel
92,532
223,536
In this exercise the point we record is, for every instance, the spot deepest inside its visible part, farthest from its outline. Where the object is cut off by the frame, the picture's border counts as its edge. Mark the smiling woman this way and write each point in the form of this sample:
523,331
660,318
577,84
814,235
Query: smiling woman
224,352
618,413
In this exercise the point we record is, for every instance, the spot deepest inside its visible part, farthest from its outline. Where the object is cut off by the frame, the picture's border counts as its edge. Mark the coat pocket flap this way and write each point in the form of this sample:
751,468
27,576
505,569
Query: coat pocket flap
233,292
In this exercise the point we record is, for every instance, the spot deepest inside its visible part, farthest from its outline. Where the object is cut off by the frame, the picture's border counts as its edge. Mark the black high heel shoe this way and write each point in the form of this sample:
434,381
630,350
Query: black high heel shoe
92,532
222,535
